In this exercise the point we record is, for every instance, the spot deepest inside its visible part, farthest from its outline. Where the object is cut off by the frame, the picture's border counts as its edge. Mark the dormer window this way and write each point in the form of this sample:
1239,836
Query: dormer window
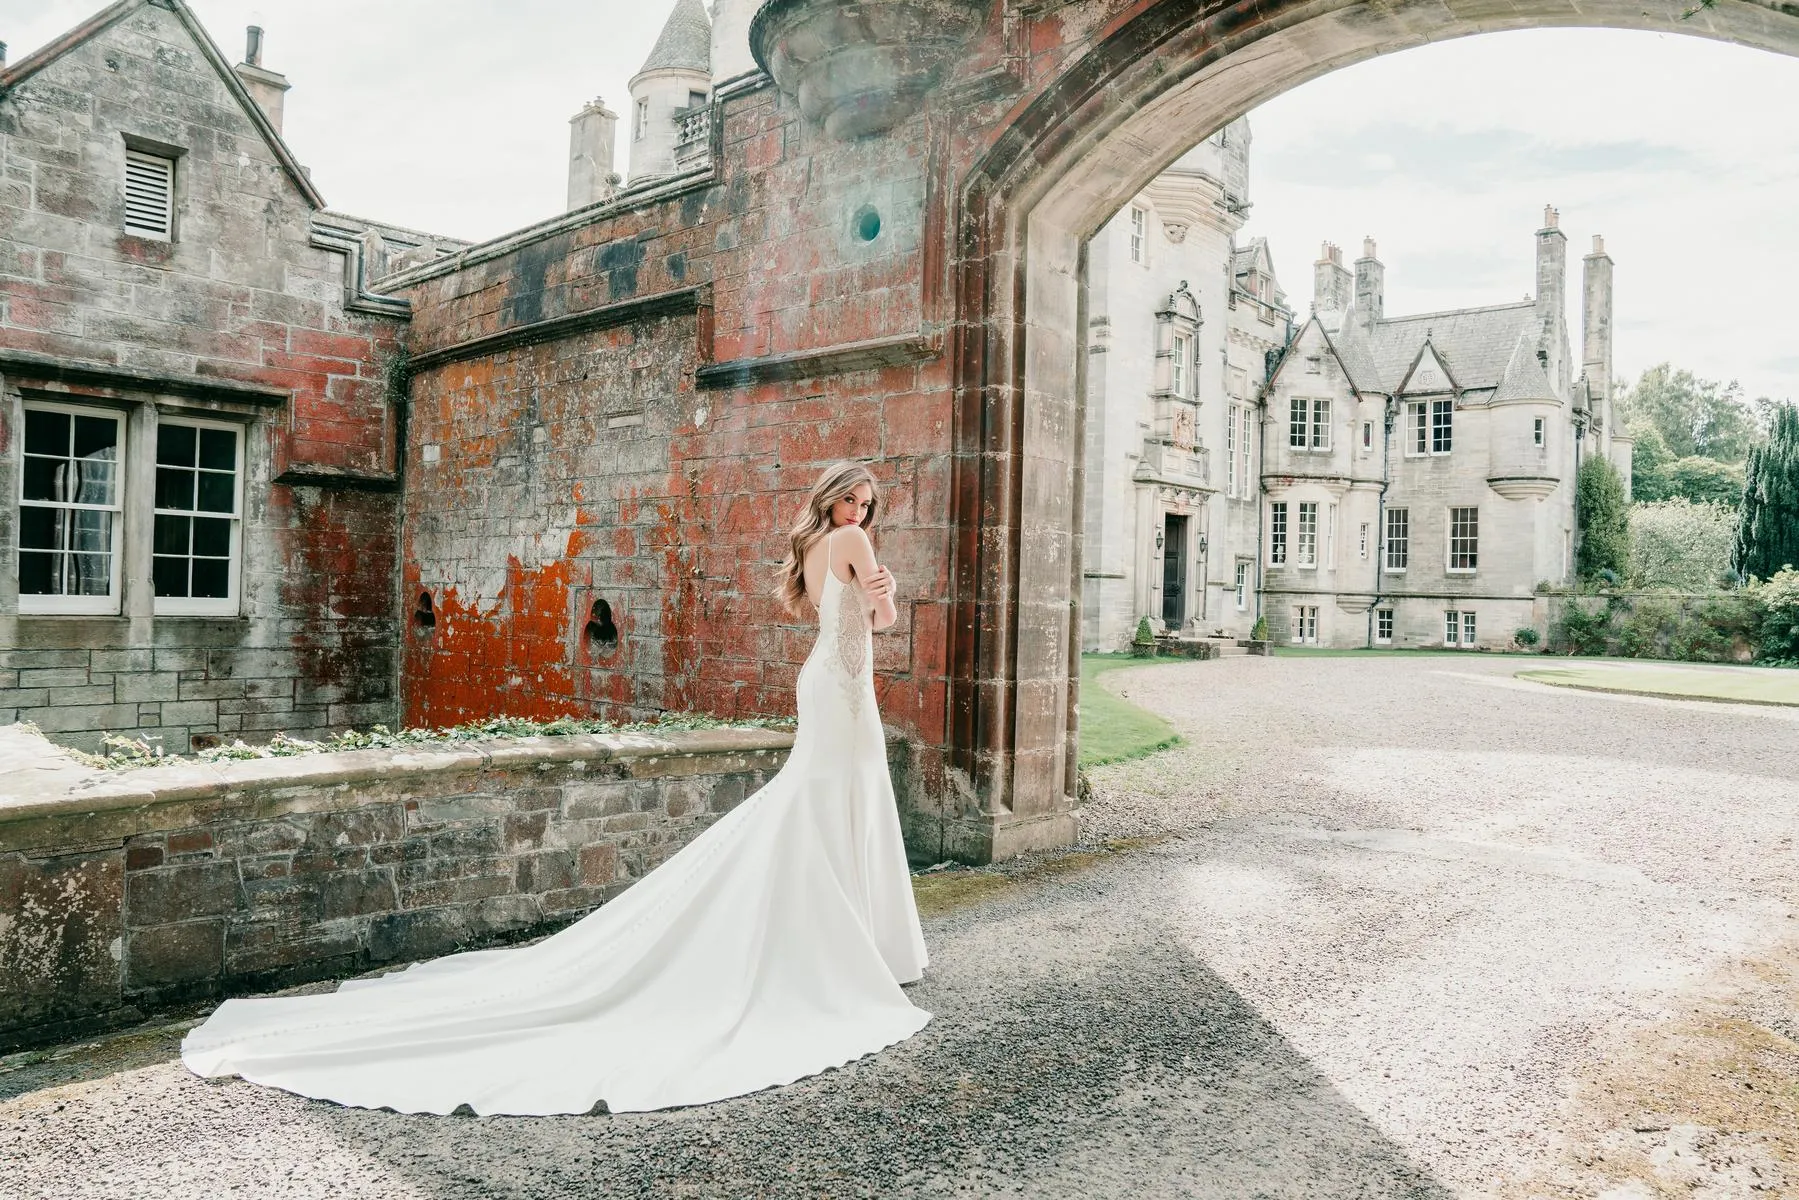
149,195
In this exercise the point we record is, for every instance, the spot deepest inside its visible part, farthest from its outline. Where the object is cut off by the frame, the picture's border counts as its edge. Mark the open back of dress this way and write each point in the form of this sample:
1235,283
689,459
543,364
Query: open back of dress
769,948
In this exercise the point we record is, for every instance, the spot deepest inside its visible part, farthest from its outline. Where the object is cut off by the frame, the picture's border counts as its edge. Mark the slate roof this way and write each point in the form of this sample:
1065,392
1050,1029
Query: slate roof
685,43
1477,343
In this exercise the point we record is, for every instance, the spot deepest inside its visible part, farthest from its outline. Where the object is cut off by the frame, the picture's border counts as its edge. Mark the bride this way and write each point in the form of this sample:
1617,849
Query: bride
770,948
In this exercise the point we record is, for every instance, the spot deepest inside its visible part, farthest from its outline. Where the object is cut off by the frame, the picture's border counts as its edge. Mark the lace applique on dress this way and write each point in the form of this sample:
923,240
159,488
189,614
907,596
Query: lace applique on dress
852,641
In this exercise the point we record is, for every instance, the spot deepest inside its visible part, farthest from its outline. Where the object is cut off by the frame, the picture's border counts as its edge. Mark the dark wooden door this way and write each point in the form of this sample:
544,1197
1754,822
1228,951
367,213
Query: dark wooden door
1174,571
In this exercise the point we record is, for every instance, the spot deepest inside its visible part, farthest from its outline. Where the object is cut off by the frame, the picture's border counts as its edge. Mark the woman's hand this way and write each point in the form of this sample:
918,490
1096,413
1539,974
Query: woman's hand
879,585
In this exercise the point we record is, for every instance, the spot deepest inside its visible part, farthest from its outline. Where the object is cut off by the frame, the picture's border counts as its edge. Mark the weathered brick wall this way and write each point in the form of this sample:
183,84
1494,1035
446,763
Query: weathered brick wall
237,317
131,891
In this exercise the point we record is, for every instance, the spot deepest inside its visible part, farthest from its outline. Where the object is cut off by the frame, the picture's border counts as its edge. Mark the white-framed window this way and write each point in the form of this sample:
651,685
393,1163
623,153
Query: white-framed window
1442,426
1383,626
1367,436
1277,534
1467,627
1308,534
1321,424
1538,427
1417,421
1180,355
1139,235
1242,586
149,195
1230,451
196,541
1452,628
641,126
1330,536
1464,539
71,509
1364,540
1399,539
1305,625
1299,422
1249,480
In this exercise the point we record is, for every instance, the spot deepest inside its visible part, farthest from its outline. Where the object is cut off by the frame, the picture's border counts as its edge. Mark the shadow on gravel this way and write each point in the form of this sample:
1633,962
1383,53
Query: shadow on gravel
1145,1076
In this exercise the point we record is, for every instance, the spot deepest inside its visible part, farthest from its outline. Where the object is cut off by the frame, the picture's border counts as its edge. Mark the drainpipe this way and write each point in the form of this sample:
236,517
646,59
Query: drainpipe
1580,435
1380,514
1261,490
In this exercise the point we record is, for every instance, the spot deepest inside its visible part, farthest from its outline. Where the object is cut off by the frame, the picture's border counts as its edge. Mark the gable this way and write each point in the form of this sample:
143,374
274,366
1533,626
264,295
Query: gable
142,47
1428,374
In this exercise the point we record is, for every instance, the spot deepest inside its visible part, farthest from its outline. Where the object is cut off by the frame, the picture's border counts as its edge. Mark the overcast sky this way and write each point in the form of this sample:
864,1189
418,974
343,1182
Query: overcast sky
452,116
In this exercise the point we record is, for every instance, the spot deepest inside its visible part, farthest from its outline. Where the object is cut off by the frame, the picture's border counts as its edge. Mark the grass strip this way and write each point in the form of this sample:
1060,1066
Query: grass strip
1765,685
1112,728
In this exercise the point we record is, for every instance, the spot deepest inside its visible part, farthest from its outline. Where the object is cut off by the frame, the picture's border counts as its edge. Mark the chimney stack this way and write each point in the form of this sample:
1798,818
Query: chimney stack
1332,286
1370,286
1596,326
591,138
266,87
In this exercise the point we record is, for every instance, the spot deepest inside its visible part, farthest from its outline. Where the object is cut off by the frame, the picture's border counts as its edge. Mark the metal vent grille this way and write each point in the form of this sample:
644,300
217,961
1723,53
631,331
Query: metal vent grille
149,194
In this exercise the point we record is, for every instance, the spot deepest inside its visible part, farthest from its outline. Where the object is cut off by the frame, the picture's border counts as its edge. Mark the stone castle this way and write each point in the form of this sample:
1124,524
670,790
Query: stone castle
278,467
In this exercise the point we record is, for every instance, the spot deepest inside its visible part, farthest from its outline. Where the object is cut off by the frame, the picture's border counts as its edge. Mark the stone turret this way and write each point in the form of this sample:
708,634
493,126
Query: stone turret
268,88
1524,420
674,82
592,138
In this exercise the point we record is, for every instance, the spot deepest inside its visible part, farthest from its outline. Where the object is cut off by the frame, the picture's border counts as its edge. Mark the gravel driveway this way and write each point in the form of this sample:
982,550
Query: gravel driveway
1422,931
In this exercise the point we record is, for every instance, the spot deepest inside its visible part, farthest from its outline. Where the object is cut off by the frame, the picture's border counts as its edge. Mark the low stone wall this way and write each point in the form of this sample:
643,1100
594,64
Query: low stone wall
122,892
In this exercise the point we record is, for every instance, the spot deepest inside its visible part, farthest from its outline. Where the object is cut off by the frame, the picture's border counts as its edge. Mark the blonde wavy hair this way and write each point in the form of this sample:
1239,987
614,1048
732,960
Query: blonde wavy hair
838,480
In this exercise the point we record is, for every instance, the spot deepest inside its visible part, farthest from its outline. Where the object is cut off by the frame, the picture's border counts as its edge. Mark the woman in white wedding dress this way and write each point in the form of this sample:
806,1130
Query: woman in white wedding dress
769,948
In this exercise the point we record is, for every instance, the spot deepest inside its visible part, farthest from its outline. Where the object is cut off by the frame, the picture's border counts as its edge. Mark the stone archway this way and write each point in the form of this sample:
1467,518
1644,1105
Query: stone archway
1158,77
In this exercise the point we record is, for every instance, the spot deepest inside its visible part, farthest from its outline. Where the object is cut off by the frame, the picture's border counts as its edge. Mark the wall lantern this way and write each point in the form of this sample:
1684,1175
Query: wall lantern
1158,541
1202,545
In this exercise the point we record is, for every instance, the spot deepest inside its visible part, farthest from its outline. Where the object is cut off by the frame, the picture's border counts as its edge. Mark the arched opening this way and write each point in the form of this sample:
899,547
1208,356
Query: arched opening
424,614
1163,78
600,633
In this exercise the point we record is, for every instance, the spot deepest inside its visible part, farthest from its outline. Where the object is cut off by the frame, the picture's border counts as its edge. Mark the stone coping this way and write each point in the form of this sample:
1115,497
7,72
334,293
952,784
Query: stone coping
50,799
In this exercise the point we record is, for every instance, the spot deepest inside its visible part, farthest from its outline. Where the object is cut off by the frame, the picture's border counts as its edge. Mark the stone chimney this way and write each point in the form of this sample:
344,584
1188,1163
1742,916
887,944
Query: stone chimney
1596,326
1370,286
266,87
1333,287
592,134
1552,272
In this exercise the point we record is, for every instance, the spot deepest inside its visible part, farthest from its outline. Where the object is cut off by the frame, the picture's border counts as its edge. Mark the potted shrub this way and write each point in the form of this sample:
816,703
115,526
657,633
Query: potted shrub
1144,644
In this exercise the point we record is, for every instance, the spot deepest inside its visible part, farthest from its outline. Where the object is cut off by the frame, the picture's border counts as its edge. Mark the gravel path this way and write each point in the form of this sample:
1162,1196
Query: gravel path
1421,925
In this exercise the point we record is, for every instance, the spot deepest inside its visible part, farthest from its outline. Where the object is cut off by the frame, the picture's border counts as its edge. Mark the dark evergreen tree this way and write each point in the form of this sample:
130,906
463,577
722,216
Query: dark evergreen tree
1768,528
1604,520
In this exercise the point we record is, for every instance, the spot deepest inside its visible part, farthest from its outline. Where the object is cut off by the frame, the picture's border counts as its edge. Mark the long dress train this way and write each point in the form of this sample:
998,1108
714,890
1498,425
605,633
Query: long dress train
769,948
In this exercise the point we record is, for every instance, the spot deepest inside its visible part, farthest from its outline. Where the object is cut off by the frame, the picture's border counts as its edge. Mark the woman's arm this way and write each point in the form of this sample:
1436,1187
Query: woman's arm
851,544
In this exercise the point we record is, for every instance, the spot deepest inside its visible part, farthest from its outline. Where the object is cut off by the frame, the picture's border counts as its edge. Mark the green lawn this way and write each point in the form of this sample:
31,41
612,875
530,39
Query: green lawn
1763,685
1285,651
1113,730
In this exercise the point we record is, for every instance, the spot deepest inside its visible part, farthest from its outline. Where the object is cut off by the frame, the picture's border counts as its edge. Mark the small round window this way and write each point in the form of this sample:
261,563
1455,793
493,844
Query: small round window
867,224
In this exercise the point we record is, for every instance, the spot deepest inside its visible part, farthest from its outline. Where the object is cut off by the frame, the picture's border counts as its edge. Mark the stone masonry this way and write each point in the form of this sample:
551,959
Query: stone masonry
123,892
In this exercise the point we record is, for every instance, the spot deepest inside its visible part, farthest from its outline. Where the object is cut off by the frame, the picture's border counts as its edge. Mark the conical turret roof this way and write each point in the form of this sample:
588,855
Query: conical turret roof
685,43
1524,377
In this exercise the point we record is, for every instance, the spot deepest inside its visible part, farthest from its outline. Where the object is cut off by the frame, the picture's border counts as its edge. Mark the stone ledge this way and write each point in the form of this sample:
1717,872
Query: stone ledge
42,783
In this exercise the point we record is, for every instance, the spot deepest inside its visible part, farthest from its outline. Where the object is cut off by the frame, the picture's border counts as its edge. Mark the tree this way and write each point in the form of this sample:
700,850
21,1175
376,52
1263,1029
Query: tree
1768,526
1695,417
1604,520
1679,544
1706,481
1649,466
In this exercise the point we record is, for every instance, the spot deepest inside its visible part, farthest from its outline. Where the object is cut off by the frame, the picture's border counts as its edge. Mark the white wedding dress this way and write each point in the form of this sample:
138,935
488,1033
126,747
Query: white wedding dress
769,948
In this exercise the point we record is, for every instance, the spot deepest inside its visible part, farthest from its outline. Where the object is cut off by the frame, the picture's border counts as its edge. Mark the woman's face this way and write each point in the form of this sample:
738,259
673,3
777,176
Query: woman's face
851,508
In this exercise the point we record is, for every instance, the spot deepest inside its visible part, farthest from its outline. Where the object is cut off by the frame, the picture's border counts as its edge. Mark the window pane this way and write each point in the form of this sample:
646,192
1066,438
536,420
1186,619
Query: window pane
212,537
47,433
90,530
172,534
218,449
170,576
90,574
174,488
41,528
44,478
94,481
216,491
97,438
37,573
175,445
211,577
